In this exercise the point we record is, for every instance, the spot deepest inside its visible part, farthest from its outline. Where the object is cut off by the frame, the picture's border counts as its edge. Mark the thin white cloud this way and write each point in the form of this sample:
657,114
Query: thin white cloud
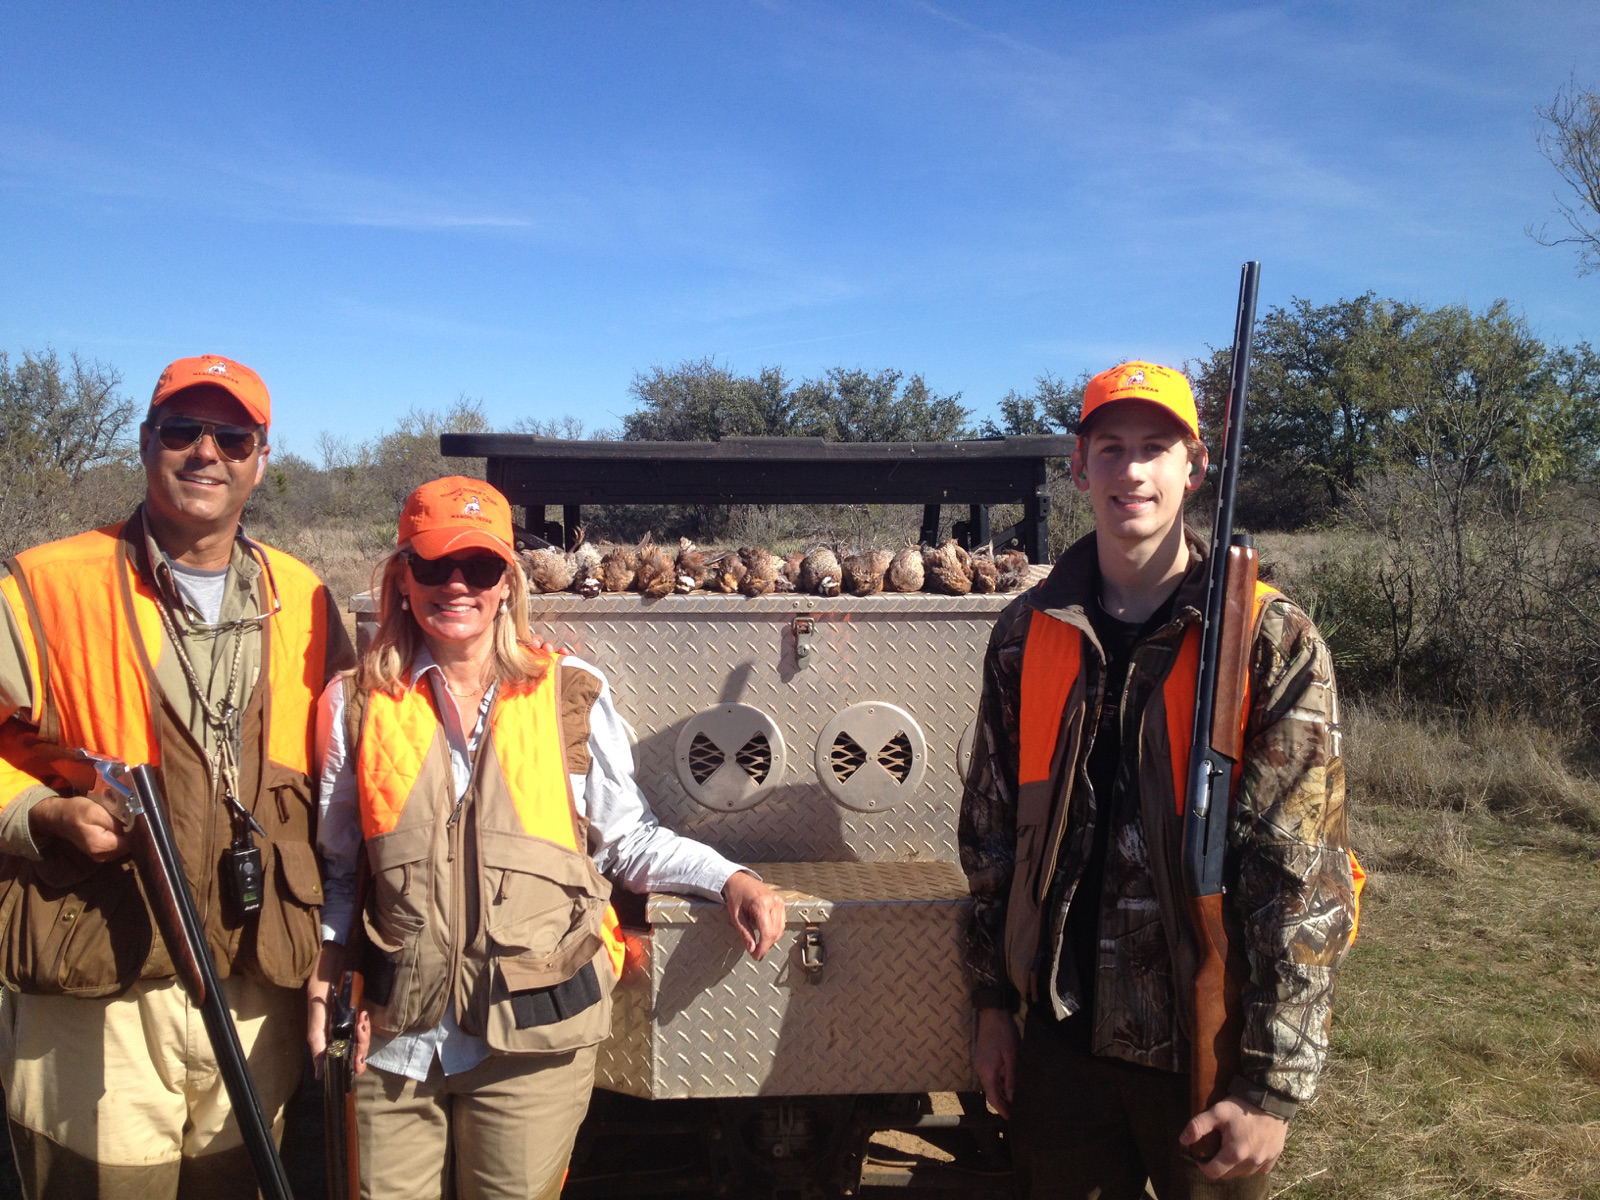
235,184
418,323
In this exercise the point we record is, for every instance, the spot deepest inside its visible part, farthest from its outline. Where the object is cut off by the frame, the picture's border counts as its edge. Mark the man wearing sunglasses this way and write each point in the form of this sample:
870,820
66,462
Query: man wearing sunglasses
171,639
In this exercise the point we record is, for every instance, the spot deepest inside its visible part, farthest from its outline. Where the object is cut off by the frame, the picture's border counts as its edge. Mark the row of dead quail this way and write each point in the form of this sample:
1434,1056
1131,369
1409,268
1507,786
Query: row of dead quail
949,569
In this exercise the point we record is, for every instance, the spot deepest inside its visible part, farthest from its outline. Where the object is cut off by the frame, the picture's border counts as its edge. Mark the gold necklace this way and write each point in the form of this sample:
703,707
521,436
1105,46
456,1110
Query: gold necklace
473,694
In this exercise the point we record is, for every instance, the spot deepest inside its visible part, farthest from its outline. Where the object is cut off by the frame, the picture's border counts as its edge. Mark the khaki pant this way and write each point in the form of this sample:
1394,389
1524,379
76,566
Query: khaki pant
504,1129
1090,1128
121,1098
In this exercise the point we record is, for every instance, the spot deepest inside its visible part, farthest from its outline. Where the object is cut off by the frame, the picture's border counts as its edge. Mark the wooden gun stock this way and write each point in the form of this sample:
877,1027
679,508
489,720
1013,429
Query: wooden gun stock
1214,1050
1233,658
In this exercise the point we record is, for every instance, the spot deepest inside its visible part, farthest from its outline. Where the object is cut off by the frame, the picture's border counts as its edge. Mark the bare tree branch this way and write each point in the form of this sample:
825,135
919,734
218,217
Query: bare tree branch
1569,137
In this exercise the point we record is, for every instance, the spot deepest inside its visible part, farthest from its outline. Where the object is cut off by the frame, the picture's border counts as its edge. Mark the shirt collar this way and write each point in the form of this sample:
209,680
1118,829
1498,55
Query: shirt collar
244,564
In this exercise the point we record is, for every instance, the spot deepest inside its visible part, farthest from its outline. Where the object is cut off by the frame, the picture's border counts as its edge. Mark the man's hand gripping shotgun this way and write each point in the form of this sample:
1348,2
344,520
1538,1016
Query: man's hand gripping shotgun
133,798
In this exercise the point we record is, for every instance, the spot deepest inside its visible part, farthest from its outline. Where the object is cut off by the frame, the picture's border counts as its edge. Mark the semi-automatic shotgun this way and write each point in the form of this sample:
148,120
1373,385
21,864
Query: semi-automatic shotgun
133,798
1217,746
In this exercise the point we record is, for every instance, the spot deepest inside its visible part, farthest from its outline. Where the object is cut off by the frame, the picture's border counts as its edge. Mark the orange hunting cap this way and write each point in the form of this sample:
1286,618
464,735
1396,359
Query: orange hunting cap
453,514
1145,381
238,380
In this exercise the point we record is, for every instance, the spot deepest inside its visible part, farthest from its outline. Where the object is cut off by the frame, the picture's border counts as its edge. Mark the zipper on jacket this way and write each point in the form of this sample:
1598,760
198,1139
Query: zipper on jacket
455,842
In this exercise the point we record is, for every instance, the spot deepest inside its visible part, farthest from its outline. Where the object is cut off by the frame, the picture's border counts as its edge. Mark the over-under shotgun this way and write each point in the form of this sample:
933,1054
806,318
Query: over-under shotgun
133,798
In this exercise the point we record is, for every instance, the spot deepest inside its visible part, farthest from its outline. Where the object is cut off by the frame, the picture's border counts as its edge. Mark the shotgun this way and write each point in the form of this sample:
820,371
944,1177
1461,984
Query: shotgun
339,1091
1218,746
132,796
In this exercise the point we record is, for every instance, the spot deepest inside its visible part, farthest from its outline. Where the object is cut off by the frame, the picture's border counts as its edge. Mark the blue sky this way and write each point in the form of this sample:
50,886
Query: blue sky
384,206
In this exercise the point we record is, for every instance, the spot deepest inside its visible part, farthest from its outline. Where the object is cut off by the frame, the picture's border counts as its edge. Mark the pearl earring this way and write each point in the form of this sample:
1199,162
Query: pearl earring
405,605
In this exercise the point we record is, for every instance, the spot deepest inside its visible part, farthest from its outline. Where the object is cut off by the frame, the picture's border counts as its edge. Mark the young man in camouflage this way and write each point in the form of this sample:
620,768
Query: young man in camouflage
1071,838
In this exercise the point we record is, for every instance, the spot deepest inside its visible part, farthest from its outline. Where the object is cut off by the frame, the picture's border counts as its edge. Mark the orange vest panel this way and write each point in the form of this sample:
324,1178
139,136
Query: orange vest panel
97,644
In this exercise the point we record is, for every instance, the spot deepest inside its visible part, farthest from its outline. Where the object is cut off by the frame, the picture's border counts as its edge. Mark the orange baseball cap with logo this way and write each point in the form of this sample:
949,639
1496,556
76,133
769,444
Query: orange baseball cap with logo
1147,381
453,514
238,380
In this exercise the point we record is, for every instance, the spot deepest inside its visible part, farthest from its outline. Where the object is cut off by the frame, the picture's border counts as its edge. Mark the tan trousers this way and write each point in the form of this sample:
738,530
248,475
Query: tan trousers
121,1097
503,1129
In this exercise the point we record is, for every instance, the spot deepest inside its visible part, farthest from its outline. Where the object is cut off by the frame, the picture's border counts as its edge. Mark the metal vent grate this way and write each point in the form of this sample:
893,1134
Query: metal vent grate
704,758
755,756
729,757
876,779
846,758
896,757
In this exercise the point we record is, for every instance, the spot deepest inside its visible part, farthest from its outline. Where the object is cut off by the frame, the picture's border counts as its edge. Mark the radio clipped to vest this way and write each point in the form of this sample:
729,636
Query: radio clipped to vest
241,878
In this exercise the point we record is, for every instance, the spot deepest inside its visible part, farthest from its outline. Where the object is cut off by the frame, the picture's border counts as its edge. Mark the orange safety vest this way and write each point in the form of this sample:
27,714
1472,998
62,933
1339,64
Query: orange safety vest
101,630
540,899
91,634
1051,660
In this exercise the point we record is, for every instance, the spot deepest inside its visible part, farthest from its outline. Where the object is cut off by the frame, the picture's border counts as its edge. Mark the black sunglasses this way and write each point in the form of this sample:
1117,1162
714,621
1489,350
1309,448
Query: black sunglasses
234,442
479,571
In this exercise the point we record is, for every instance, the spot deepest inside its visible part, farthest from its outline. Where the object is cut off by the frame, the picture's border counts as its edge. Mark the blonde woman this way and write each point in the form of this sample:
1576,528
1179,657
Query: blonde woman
485,781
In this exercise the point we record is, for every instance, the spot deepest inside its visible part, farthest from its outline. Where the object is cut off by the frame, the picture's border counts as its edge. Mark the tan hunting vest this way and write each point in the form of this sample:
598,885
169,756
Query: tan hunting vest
491,905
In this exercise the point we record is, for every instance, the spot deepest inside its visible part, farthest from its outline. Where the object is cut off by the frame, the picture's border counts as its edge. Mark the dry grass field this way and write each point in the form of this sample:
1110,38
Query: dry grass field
1467,1034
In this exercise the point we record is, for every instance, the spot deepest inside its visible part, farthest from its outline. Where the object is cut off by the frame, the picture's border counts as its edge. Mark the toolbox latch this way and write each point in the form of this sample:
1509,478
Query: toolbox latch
805,632
813,953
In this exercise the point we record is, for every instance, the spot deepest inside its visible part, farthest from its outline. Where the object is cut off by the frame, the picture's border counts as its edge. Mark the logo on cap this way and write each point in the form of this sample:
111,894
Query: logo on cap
471,508
1133,379
217,368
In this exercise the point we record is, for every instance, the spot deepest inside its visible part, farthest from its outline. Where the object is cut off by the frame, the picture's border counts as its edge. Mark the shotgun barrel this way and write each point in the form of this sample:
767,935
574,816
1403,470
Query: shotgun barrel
1216,748
134,797
339,1091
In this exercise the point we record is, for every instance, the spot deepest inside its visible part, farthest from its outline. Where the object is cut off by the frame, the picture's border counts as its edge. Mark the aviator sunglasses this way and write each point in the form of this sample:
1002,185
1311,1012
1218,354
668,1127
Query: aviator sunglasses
479,571
234,442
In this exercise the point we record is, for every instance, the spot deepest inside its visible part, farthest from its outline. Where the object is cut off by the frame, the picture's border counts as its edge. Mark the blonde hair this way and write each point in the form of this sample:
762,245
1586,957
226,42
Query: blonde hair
386,665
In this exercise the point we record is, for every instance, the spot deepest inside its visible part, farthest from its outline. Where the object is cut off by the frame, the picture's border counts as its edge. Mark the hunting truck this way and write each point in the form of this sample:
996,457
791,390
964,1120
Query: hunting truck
822,741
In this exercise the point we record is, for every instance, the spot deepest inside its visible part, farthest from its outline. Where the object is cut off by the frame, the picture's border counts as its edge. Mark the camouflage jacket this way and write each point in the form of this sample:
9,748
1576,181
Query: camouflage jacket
1290,896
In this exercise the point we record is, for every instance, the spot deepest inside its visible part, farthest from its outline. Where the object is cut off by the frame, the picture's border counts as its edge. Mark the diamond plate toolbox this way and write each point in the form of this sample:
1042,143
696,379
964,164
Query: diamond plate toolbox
862,993
821,741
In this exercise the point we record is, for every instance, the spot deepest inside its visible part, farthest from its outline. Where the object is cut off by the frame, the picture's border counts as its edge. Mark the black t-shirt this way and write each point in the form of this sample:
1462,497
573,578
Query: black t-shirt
1117,639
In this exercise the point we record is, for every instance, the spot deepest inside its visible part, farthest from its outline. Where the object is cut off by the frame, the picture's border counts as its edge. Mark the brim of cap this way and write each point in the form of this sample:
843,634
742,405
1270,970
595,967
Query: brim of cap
436,543
1163,409
245,402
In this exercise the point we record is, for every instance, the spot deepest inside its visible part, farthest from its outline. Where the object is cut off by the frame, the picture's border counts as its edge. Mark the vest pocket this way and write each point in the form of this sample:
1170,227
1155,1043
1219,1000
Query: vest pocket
288,930
394,920
91,937
539,898
543,909
527,1017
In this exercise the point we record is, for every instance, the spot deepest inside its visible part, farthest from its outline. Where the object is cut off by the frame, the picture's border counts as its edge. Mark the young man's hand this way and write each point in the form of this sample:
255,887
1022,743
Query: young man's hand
994,1055
1252,1139
755,910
